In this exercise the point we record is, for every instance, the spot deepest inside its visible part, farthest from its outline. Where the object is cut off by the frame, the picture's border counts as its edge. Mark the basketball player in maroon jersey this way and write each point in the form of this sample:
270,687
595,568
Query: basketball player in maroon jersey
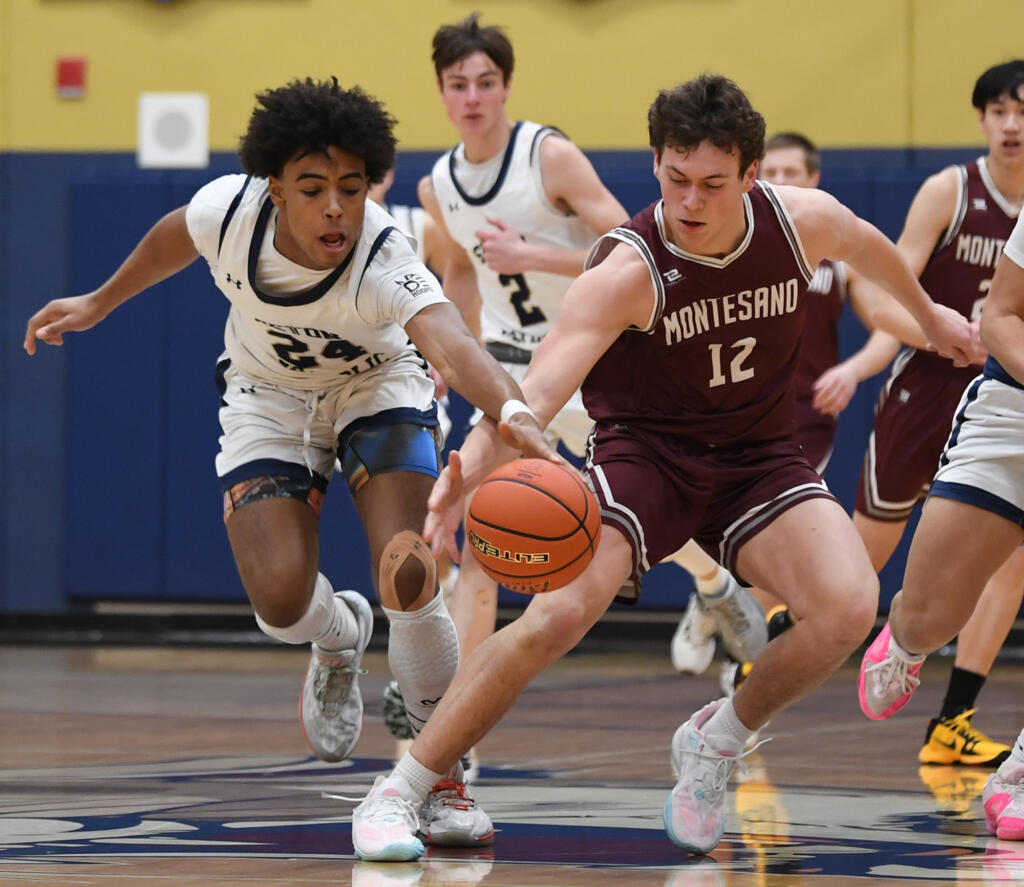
824,384
952,239
684,333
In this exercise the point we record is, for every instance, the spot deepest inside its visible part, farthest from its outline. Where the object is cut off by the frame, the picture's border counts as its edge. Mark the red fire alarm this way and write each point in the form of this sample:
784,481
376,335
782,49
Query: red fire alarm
70,76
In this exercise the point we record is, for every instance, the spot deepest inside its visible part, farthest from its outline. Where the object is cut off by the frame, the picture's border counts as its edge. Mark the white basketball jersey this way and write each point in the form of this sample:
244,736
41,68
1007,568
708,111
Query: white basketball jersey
298,327
518,309
410,220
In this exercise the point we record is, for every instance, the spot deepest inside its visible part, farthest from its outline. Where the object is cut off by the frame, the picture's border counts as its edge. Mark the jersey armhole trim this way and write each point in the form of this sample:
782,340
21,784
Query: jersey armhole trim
631,238
374,249
232,209
959,213
789,230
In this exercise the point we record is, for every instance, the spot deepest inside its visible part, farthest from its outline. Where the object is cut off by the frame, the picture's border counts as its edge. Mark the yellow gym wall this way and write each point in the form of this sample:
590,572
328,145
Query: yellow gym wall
852,73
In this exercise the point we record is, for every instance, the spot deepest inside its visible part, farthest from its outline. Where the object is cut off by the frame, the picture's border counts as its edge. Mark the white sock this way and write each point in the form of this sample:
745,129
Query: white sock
904,654
327,622
725,731
423,652
716,586
411,779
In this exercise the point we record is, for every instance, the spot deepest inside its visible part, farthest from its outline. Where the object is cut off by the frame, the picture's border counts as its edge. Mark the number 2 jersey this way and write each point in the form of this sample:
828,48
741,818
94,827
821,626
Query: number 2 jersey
298,327
518,309
716,362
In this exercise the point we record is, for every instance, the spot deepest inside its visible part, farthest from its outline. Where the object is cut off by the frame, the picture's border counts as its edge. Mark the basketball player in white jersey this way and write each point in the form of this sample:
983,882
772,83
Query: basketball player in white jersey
522,205
331,311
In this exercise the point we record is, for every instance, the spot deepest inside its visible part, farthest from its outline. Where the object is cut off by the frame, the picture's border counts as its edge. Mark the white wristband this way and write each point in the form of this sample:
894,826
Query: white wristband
510,407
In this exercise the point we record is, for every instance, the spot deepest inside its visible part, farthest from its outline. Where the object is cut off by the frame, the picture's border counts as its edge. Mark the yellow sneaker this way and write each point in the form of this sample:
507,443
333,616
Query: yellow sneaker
955,741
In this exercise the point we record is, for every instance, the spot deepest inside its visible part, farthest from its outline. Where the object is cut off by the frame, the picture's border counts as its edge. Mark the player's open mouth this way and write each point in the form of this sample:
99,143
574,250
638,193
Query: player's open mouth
1012,144
333,242
690,225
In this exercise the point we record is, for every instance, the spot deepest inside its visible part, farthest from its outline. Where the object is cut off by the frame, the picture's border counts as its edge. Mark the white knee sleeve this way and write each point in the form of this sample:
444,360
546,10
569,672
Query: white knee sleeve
423,652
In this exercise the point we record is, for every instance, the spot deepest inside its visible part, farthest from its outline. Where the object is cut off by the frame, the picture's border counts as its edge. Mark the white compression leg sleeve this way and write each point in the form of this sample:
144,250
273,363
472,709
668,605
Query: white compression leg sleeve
327,622
423,652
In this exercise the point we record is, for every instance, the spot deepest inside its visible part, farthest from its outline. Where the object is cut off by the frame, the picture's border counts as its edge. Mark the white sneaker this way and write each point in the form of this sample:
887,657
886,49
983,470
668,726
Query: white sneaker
384,827
332,707
693,644
449,817
695,810
740,621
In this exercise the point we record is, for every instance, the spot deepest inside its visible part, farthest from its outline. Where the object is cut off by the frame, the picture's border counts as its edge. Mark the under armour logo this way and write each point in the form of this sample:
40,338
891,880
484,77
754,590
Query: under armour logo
235,281
453,207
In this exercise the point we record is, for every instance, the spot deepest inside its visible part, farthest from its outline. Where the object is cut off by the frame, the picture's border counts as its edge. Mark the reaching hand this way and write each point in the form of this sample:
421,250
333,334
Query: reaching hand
950,335
445,507
980,351
61,316
833,390
503,247
522,432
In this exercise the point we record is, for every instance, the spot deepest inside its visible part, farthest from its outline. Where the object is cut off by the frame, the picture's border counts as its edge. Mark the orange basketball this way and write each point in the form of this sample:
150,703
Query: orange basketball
533,525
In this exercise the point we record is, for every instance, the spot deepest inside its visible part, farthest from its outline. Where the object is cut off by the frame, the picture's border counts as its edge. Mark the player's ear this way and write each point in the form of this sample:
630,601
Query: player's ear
276,191
750,176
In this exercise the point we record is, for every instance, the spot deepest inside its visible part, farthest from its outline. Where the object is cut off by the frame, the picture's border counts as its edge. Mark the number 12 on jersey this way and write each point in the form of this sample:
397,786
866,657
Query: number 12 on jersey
740,350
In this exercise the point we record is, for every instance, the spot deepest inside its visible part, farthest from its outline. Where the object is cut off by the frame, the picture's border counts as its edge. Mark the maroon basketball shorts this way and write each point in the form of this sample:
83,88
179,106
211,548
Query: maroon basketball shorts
912,422
815,433
661,491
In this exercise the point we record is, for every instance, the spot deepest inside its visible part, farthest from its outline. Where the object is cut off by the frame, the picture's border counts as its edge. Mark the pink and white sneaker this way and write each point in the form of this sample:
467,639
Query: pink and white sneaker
1003,797
384,827
695,810
888,678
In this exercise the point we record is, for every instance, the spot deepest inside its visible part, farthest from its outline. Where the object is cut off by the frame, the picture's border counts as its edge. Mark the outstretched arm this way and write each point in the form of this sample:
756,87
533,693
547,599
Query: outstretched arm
166,249
598,306
830,230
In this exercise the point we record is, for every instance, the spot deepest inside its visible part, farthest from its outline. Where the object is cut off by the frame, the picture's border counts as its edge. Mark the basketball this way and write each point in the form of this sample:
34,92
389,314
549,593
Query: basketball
533,525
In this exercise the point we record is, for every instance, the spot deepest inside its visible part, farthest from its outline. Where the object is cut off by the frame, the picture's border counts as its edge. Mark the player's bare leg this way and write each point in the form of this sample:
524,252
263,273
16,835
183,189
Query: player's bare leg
275,544
813,560
940,593
881,537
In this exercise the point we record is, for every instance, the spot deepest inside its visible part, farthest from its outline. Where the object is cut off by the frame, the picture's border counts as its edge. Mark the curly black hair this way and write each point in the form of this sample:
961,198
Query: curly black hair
308,116
709,108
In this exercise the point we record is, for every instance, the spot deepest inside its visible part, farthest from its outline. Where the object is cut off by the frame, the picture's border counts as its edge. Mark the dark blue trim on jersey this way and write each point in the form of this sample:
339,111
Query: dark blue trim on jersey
496,187
219,379
229,215
969,397
979,498
271,467
994,370
397,416
310,295
377,244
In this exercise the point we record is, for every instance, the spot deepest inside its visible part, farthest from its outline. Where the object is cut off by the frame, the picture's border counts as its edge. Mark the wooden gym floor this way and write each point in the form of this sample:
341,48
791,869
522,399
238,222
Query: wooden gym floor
184,766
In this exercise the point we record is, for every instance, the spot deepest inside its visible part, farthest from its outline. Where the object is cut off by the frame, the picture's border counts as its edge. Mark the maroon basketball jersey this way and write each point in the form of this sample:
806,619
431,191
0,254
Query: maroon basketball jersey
820,348
716,362
959,272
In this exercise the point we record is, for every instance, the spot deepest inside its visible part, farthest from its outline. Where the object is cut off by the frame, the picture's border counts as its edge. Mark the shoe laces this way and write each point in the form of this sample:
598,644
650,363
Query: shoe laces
386,808
332,683
452,794
730,607
719,766
893,671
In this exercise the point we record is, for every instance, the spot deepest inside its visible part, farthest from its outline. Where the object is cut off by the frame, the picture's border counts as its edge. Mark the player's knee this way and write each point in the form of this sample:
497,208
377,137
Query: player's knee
853,614
408,574
280,591
556,623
